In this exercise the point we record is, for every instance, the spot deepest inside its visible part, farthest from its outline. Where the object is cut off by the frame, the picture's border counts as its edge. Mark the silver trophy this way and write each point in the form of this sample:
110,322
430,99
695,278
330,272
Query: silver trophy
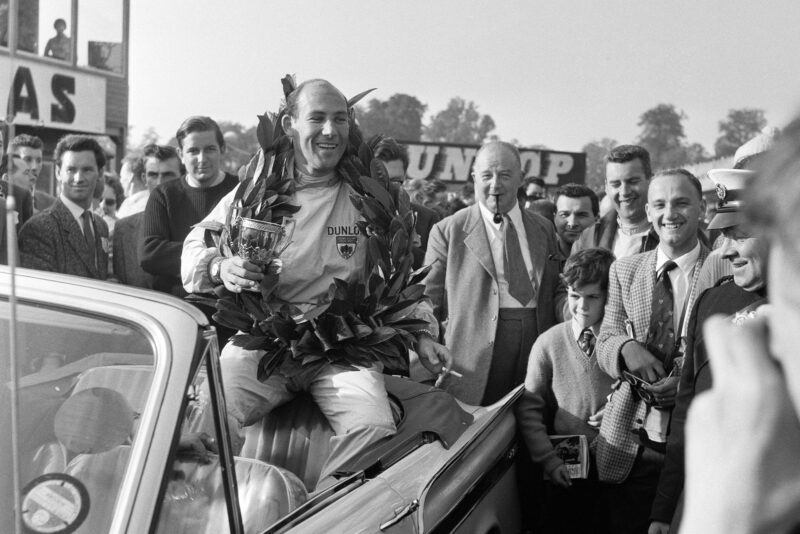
260,242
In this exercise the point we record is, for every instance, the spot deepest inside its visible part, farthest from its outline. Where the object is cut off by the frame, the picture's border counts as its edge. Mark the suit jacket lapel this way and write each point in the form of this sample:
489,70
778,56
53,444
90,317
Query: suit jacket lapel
642,294
606,231
74,235
476,240
537,247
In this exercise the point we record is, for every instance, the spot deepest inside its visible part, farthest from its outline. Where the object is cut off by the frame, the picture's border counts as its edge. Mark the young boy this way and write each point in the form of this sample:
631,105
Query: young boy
565,392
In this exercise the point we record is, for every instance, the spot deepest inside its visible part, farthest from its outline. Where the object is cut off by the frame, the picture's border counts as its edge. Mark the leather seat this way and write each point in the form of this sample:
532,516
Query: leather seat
295,436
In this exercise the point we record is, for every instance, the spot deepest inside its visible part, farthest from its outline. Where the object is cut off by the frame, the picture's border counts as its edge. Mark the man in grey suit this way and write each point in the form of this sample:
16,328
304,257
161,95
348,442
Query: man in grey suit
494,280
632,347
67,237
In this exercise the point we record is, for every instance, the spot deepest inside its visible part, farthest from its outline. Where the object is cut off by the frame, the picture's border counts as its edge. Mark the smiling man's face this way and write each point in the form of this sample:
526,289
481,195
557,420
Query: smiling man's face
674,207
320,130
78,174
627,184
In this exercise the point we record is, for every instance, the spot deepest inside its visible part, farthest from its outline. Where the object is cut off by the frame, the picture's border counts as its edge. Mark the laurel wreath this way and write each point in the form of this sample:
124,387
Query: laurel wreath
359,323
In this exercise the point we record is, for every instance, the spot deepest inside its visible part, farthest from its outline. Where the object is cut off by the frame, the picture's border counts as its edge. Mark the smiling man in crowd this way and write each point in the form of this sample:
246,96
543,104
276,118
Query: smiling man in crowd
639,343
67,237
173,207
626,230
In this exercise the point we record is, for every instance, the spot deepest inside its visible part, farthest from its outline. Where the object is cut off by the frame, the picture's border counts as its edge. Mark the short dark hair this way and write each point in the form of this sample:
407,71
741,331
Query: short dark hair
136,162
686,174
114,183
572,190
60,21
626,153
160,152
30,141
431,187
388,149
588,266
533,180
199,123
80,143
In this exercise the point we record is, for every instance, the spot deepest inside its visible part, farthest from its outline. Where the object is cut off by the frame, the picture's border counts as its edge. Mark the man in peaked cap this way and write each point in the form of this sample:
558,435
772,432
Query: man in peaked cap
748,157
737,297
729,185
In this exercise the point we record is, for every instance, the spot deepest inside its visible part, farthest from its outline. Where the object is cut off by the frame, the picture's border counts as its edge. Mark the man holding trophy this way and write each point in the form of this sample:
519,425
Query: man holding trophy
324,240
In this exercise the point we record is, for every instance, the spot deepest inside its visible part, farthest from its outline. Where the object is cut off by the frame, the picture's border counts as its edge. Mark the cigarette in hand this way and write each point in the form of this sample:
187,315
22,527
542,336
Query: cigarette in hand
443,373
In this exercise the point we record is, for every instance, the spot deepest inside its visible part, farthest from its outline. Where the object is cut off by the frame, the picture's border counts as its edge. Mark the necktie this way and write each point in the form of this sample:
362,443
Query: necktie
661,339
586,341
519,281
88,234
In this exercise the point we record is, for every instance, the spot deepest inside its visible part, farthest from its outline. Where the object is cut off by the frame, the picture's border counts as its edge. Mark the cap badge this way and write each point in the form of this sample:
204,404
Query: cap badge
722,191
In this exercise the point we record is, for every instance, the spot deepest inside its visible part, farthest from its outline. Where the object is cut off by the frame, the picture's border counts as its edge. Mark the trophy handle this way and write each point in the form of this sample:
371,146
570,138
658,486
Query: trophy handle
287,231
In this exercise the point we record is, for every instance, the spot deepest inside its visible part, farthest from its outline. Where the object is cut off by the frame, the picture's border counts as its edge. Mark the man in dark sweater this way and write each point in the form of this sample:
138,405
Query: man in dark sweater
175,206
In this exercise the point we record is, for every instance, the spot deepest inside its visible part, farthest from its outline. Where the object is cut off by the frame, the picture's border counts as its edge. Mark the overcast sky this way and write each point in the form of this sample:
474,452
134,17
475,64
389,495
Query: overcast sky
558,73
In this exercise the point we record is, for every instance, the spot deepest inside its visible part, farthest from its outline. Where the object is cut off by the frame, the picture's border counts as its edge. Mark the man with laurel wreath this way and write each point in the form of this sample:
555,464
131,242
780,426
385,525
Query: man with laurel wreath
327,244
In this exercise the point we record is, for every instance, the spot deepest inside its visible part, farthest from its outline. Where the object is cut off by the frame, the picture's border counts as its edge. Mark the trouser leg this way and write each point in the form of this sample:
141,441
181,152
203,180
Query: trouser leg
248,400
514,337
357,407
629,503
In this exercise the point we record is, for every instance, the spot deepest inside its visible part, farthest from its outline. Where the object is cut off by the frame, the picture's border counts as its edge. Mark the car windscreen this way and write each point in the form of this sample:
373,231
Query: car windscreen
82,381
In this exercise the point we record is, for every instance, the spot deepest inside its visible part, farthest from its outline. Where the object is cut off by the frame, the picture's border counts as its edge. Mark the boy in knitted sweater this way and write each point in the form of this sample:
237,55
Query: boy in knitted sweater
565,392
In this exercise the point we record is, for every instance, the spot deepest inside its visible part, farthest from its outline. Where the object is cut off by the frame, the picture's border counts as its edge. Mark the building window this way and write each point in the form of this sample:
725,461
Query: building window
100,28
55,21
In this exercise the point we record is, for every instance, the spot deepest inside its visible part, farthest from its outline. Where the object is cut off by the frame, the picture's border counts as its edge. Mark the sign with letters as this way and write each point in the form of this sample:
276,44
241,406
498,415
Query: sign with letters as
452,163
39,94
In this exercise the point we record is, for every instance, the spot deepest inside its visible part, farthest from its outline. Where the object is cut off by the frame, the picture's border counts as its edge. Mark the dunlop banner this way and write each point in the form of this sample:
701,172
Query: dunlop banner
452,163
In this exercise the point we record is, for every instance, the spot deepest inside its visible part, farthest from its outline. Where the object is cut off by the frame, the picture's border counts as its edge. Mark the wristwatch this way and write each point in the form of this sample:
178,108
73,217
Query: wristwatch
214,270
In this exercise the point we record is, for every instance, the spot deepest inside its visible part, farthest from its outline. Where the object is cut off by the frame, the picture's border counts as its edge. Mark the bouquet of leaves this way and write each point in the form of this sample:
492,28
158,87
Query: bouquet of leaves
359,323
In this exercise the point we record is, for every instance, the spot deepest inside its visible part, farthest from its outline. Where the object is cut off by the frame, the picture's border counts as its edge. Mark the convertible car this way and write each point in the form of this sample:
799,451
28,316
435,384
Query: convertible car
104,383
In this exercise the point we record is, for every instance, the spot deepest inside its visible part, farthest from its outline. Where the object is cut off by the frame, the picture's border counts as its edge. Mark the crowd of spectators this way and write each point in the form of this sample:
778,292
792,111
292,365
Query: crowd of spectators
599,314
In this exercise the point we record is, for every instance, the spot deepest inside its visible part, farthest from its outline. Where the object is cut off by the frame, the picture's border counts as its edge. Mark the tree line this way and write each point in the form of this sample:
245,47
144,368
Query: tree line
402,116
663,136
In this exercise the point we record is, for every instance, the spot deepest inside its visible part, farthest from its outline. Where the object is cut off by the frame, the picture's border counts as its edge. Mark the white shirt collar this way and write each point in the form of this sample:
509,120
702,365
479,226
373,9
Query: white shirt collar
685,263
515,214
73,208
576,329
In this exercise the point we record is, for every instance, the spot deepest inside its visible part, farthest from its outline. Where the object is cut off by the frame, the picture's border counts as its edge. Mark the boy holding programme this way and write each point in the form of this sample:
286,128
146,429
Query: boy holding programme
565,392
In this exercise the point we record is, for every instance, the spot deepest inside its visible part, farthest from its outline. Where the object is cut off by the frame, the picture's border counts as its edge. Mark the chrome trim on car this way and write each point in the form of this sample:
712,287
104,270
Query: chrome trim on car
223,434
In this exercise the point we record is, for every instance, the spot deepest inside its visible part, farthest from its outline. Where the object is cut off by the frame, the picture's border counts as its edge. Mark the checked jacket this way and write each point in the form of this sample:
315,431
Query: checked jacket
630,295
